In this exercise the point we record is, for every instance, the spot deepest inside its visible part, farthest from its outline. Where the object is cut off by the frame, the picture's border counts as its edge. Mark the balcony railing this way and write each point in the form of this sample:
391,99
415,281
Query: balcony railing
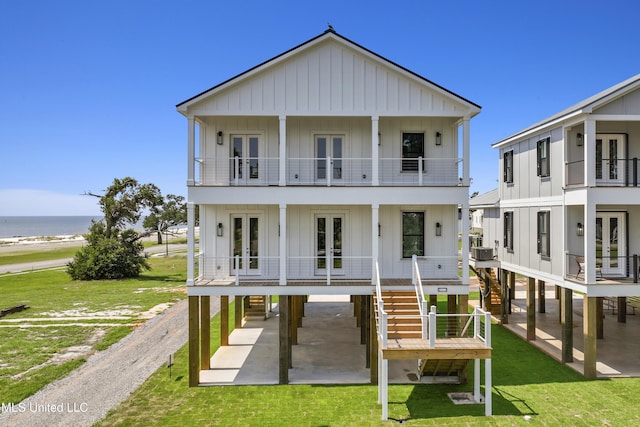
328,171
608,173
611,268
319,268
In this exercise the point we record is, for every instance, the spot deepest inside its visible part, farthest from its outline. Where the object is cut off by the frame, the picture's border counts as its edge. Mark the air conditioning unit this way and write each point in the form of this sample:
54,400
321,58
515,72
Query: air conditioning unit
482,254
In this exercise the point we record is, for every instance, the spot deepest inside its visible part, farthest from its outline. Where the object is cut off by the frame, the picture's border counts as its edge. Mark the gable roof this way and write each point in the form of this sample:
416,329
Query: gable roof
584,107
485,200
328,34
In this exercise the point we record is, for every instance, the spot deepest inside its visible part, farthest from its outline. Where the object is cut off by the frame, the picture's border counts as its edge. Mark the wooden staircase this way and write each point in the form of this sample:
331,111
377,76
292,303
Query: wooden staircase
401,303
255,307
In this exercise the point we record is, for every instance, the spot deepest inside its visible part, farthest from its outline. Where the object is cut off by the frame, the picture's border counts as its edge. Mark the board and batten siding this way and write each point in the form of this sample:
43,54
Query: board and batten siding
332,78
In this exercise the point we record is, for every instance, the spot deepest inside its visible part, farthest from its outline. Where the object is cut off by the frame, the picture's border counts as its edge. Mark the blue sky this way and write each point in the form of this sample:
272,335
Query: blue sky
88,88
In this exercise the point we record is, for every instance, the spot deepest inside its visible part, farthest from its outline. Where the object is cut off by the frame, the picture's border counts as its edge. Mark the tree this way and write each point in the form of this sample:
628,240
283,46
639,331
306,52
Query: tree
171,212
114,251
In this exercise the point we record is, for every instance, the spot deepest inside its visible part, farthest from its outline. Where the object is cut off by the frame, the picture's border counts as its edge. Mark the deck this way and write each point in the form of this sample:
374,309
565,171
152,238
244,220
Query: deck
445,348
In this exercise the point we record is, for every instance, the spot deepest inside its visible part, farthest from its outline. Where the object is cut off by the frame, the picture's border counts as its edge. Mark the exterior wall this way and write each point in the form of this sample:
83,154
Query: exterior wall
492,229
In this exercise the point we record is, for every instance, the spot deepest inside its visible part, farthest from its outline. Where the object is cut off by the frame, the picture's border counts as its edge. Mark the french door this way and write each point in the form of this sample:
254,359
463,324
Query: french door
245,162
610,159
610,243
329,146
329,244
246,244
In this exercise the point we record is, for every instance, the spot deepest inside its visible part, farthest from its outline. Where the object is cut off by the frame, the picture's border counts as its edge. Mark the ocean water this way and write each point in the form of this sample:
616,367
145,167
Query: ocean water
27,226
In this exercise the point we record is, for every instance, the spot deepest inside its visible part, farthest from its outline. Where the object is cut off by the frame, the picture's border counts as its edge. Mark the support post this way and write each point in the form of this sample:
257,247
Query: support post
283,244
452,308
283,369
531,309
590,340
599,317
294,319
194,334
373,343
541,297
567,325
238,312
504,297
205,332
622,309
224,320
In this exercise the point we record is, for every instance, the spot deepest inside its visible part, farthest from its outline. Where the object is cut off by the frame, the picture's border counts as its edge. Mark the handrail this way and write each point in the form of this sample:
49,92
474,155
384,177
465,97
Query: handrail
422,304
382,315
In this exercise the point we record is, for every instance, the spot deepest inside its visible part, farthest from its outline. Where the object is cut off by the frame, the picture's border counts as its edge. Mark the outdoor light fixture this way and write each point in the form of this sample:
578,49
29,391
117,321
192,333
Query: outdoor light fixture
219,231
580,229
579,139
438,229
379,229
220,140
438,138
379,138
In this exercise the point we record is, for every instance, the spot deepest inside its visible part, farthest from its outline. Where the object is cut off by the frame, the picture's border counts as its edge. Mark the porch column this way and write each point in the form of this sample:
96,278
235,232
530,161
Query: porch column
589,140
191,243
375,156
282,169
191,150
238,312
599,318
375,238
590,340
283,244
622,309
464,251
590,242
566,299
531,309
205,332
466,153
504,297
194,333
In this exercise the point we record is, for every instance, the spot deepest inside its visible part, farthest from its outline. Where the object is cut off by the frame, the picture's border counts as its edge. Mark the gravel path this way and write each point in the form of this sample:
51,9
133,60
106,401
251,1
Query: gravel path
108,377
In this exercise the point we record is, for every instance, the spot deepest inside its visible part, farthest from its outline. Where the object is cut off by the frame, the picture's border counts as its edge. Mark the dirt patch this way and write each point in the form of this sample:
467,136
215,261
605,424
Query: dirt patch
71,353
82,312
154,311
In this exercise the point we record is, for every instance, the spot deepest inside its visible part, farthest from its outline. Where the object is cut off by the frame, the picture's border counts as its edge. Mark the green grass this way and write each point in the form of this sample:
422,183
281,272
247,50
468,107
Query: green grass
526,382
19,257
52,295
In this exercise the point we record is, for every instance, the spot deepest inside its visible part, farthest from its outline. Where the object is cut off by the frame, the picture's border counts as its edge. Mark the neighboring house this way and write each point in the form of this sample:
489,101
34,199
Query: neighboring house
568,198
485,208
311,167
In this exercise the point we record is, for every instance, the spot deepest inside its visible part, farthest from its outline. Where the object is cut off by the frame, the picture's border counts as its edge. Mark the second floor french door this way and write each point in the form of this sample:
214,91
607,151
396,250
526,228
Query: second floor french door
329,244
245,243
610,243
245,166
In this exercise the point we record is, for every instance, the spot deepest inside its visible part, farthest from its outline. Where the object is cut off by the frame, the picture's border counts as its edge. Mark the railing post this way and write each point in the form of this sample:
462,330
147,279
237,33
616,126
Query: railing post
329,171
476,322
635,171
424,320
432,327
329,260
635,268
420,170
236,169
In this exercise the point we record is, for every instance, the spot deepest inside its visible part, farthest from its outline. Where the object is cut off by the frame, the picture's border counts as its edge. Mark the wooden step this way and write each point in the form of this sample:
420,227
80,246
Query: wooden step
443,367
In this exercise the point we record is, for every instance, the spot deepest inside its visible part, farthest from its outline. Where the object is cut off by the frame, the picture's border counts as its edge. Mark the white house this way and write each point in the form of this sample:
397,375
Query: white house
569,196
312,169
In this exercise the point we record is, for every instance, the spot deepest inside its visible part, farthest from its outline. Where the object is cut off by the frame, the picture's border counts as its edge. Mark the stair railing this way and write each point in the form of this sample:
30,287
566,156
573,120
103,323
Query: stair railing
382,315
422,303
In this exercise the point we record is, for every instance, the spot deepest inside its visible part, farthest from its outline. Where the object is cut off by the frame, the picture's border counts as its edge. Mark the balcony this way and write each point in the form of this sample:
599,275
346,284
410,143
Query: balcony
323,270
265,171
608,173
617,269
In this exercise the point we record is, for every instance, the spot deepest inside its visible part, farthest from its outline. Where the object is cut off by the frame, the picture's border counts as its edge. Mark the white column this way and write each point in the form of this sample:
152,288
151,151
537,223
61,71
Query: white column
466,151
464,250
589,141
375,228
282,181
375,155
191,242
283,244
590,241
191,150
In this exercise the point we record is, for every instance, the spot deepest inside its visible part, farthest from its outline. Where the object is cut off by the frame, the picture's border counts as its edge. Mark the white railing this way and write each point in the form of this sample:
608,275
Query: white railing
236,268
416,279
328,171
329,267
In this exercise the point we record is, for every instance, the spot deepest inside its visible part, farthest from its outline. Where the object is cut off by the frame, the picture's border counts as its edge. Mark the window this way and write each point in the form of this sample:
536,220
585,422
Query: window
508,231
412,148
544,242
508,166
543,157
412,234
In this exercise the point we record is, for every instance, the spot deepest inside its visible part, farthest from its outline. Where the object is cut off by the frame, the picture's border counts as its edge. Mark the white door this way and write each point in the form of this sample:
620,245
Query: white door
329,244
329,158
244,162
610,167
610,243
245,244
